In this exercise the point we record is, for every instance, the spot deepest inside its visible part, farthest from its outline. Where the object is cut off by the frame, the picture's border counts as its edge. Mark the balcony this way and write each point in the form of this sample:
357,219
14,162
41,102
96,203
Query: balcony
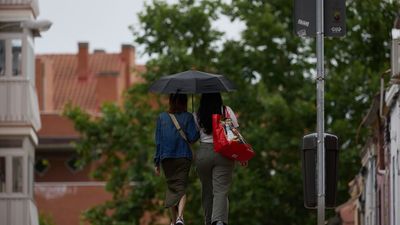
18,103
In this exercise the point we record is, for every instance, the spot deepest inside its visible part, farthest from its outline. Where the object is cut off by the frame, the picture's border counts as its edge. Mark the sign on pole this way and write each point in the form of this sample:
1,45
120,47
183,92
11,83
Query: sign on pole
304,18
319,18
334,18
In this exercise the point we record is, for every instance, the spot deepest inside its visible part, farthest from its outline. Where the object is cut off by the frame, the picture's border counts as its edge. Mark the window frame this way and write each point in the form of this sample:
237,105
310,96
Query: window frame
5,57
20,42
9,154
5,175
37,158
8,38
31,176
72,170
17,172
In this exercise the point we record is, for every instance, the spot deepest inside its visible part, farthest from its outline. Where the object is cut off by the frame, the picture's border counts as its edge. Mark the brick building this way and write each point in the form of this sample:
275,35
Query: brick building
87,80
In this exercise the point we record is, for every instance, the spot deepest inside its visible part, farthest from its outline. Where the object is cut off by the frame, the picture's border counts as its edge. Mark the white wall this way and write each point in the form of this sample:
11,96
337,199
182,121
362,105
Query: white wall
392,102
395,162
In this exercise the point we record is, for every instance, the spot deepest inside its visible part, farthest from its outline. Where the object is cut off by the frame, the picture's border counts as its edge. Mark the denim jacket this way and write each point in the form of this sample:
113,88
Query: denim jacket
169,142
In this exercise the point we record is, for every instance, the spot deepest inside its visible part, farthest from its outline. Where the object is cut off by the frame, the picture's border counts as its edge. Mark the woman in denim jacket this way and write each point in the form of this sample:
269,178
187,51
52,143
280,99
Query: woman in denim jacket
174,155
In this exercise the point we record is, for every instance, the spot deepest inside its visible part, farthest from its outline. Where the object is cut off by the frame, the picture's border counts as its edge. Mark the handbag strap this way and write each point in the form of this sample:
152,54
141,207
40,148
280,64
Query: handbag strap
178,127
225,112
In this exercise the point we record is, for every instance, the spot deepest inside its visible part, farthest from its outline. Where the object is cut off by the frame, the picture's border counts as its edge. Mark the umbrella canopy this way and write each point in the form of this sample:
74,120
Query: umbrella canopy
192,81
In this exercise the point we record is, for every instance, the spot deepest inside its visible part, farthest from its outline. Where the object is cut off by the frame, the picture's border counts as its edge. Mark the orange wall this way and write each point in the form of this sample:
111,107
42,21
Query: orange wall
55,125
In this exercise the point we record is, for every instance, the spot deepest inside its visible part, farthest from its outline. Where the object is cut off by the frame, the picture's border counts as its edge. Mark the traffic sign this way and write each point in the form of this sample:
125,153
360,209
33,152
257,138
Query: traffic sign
334,18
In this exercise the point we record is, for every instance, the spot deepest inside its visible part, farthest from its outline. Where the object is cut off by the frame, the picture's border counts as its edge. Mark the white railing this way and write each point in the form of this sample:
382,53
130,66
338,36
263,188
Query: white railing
33,214
395,56
32,3
14,211
19,103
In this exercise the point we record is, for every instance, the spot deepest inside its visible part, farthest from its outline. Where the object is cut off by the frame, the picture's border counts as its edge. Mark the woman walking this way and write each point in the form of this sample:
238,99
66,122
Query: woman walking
214,170
173,153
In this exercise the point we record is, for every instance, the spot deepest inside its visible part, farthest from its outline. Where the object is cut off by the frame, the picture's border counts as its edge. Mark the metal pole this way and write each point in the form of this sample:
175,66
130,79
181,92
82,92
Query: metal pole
320,111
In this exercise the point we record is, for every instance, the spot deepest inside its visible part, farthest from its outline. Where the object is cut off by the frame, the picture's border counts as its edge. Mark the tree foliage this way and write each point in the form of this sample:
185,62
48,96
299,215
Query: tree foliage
274,74
45,219
119,143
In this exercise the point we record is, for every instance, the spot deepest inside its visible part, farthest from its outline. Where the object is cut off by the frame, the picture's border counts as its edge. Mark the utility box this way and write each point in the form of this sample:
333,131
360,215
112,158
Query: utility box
309,169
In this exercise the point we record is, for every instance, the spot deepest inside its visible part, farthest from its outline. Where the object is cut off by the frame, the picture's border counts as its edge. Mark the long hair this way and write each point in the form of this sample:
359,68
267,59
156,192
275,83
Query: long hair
177,103
210,103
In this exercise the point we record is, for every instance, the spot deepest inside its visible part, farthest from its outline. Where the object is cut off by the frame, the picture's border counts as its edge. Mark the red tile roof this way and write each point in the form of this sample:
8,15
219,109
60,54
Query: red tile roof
81,92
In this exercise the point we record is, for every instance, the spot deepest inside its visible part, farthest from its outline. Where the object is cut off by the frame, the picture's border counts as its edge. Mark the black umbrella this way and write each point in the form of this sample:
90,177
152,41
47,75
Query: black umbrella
192,81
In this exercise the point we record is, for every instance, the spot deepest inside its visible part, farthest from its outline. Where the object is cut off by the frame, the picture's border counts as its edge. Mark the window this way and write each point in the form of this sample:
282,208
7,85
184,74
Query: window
72,164
2,174
16,45
2,58
11,56
41,166
398,162
17,175
30,175
30,61
394,188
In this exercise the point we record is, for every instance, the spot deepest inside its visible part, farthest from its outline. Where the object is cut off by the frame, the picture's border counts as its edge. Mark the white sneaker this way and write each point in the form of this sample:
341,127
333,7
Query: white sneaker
179,221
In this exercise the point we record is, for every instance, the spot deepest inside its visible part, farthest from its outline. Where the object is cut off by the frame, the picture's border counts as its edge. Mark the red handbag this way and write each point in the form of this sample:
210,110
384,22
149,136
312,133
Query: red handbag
227,139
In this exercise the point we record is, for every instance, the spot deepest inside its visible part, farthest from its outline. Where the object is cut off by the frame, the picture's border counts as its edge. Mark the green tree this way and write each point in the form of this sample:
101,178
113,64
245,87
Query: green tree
275,101
354,65
45,219
279,111
280,108
267,50
182,37
120,144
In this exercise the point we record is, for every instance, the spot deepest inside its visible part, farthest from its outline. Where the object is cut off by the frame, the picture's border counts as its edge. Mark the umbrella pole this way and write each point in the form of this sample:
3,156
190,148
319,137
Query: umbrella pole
192,104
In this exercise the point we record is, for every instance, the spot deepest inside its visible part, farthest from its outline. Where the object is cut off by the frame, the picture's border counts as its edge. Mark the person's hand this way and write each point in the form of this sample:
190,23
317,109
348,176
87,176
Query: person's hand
157,170
244,163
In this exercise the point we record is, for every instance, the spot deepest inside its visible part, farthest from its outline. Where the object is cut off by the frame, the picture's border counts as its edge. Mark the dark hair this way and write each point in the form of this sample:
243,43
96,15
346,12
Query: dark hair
210,103
177,103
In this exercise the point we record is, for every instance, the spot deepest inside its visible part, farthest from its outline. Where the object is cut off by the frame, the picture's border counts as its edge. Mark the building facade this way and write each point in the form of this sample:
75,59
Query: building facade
19,111
378,202
85,79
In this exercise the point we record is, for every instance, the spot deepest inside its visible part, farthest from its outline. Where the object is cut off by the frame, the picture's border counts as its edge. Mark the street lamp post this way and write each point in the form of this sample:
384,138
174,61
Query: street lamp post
320,111
320,18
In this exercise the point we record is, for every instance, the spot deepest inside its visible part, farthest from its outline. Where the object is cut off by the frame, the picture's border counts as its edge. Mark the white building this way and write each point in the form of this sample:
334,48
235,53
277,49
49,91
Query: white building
377,201
19,114
392,101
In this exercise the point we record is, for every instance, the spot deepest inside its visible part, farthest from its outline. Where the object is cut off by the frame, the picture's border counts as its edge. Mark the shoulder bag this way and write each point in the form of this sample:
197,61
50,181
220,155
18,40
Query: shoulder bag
227,139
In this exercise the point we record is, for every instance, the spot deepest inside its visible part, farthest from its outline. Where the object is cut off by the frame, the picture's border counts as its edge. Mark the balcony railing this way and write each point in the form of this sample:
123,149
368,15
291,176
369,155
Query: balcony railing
18,103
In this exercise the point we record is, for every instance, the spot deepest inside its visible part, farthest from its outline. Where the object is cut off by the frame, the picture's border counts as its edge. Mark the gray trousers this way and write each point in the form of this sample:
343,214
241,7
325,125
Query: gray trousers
215,173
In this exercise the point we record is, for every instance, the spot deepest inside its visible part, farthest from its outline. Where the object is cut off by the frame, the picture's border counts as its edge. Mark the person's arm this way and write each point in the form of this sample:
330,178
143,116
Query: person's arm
196,120
158,140
232,116
157,170
192,131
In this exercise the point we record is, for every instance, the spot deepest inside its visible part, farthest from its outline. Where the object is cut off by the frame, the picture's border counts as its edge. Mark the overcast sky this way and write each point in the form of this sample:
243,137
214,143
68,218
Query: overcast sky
102,23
